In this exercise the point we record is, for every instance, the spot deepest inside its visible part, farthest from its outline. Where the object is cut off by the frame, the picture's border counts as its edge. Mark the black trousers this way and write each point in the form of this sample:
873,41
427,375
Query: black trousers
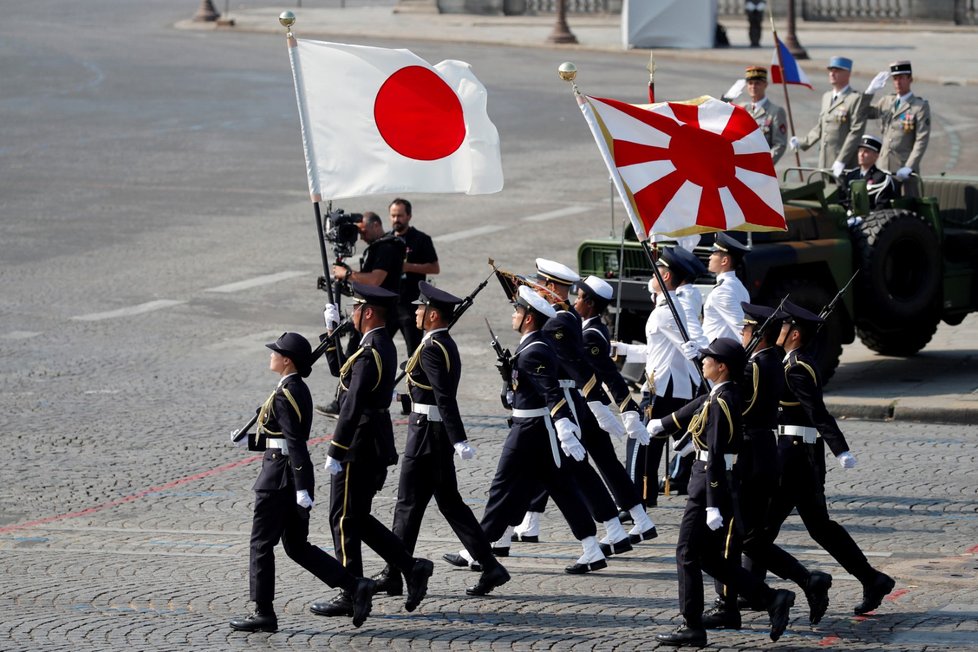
643,462
403,320
700,549
351,493
433,475
278,517
519,476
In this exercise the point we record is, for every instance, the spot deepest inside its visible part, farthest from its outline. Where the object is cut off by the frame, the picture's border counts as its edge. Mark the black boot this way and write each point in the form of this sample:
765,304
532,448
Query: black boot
363,600
331,409
388,581
262,620
873,593
417,583
778,609
341,605
490,579
817,593
722,616
684,637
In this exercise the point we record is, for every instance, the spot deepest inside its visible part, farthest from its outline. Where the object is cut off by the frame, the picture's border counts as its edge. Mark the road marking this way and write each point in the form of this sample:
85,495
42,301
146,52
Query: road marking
20,335
560,212
469,233
258,281
150,306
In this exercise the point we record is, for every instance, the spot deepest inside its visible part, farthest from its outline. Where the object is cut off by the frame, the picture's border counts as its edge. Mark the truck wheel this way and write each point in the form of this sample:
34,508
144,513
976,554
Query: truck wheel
899,259
813,296
909,337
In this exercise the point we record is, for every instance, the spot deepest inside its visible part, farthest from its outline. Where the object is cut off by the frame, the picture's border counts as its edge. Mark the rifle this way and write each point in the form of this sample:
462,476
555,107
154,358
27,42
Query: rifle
504,364
324,342
830,306
755,338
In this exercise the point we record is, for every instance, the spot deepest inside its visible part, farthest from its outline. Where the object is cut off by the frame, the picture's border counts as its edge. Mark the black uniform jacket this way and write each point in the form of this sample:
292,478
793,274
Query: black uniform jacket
802,403
433,374
597,350
874,176
763,387
534,385
363,426
564,331
287,413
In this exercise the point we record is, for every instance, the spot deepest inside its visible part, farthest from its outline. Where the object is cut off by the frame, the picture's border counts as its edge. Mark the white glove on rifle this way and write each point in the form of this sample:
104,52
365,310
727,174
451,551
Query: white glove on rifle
465,450
634,427
567,432
655,427
241,443
333,465
685,450
714,520
302,499
846,460
903,174
734,91
793,143
879,81
690,350
331,316
838,168
606,419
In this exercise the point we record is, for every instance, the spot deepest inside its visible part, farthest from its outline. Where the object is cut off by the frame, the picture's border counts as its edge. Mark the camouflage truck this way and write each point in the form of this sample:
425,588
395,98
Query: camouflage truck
917,261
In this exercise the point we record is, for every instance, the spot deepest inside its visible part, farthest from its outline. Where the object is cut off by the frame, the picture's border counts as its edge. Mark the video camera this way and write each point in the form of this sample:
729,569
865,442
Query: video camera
342,232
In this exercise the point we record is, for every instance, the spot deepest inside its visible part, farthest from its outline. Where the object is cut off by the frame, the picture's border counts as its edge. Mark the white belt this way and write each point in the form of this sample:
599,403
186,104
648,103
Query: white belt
529,414
729,458
807,433
552,434
569,384
430,411
280,444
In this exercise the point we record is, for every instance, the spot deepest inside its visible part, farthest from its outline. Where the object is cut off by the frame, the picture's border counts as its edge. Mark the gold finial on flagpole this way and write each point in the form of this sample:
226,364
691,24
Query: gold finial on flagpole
287,19
568,72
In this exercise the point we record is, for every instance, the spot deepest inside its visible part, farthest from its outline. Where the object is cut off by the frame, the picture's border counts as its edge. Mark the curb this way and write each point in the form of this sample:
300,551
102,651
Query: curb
900,409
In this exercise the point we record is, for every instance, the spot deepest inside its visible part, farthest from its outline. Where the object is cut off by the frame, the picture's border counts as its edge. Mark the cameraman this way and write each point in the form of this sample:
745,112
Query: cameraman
420,260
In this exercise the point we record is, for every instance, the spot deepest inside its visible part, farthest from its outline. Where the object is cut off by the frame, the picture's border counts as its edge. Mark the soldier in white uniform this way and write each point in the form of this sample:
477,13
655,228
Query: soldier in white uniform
722,314
769,116
905,126
840,123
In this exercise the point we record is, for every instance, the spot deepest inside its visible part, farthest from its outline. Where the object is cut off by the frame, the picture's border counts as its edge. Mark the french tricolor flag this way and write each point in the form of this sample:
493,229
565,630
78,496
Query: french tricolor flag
793,74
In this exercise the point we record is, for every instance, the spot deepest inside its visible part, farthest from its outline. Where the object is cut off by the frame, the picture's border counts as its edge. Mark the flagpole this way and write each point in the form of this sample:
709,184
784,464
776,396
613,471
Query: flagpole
784,86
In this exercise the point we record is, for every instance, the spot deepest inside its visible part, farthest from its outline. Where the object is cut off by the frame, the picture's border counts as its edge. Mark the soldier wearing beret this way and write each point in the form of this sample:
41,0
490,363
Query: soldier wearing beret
285,490
769,116
362,448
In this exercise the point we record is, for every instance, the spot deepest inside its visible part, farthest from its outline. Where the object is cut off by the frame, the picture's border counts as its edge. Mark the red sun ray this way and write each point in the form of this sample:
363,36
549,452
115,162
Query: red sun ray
755,210
739,125
759,162
654,197
629,153
710,213
687,113
662,123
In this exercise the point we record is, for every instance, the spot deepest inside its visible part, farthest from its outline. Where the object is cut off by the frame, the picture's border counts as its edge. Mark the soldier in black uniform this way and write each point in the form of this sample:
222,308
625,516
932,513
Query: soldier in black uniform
805,427
715,429
361,450
881,186
285,490
435,434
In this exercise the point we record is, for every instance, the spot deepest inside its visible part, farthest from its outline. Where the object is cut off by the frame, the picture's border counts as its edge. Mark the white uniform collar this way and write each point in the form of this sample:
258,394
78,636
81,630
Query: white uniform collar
428,334
371,331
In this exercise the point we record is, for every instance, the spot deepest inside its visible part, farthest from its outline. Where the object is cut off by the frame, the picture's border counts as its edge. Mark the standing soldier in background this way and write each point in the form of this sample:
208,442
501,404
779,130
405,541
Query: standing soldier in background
905,124
755,18
769,116
722,314
420,260
840,122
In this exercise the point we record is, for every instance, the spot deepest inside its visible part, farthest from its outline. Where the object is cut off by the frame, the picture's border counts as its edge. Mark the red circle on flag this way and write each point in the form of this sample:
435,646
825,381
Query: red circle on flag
419,115
703,157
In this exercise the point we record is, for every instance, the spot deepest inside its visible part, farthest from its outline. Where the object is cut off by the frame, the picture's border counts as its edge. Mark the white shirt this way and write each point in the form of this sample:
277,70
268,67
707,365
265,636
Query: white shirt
722,314
692,303
663,359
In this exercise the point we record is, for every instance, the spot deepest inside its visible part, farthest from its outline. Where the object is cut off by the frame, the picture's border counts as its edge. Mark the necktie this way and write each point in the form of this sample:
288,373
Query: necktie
834,98
896,107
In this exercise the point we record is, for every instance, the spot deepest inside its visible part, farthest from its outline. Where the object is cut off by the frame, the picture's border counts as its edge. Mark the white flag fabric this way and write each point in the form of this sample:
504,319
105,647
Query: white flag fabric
381,121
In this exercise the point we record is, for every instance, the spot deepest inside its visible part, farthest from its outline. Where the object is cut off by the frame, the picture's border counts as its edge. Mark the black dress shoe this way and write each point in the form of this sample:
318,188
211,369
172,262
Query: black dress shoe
683,637
817,593
523,538
363,600
720,616
625,516
580,569
651,533
341,605
388,581
456,559
331,409
874,592
778,610
500,551
417,583
490,579
617,548
256,622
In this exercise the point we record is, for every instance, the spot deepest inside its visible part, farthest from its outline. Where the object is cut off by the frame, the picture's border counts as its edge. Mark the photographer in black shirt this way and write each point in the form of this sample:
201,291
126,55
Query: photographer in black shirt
420,260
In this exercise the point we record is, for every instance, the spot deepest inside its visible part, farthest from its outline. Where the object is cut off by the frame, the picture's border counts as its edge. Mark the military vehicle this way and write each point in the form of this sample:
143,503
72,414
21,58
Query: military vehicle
917,260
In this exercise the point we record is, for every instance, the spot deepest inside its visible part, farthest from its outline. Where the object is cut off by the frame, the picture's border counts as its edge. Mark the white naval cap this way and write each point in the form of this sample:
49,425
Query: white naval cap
526,297
597,287
551,270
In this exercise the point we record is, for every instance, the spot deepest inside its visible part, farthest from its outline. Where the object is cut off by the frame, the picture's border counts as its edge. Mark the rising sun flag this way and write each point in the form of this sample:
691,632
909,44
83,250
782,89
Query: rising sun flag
684,168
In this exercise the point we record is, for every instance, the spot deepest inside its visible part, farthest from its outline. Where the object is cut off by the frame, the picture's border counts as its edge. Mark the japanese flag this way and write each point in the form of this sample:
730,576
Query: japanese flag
381,121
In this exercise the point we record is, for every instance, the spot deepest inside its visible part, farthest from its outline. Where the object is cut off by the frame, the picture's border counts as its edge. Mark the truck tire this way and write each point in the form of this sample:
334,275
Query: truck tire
813,295
908,338
899,259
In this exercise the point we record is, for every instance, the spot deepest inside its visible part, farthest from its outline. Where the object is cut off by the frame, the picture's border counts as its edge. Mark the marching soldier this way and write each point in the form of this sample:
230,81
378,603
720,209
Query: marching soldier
708,523
840,122
361,450
805,427
435,434
905,123
722,314
285,490
769,116
879,184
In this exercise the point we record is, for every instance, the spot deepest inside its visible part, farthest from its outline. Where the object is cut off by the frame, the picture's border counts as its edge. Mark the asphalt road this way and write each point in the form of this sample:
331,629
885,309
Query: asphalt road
155,231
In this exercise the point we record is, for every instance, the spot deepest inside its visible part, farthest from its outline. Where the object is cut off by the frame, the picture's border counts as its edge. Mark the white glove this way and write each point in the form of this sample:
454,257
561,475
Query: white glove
846,460
685,450
690,350
903,174
793,143
241,443
634,427
837,168
735,90
608,422
331,315
302,499
332,465
714,520
879,81
655,427
567,432
465,450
